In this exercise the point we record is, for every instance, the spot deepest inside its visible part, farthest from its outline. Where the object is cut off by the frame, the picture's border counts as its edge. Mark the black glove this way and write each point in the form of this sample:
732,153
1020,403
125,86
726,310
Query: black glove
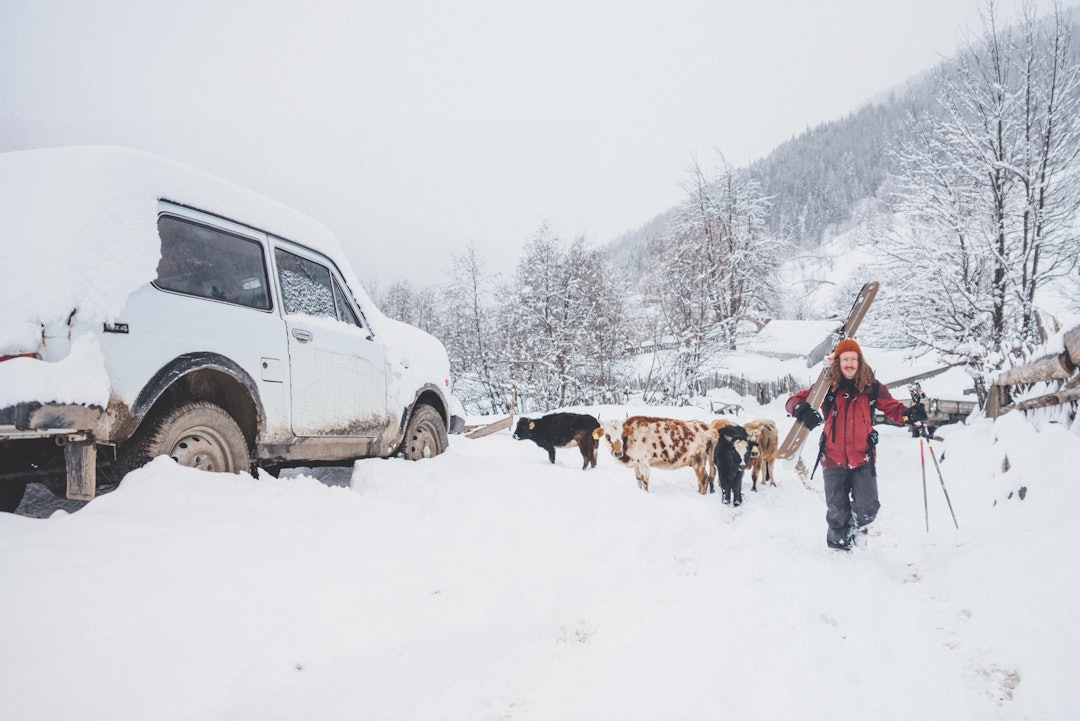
806,413
915,414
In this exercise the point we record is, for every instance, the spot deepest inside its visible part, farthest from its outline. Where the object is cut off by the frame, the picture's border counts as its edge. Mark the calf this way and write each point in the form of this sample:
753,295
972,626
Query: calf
732,452
643,443
762,432
561,430
720,423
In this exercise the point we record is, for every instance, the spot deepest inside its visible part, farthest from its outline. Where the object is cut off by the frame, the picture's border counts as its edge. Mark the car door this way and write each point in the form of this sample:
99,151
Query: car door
337,369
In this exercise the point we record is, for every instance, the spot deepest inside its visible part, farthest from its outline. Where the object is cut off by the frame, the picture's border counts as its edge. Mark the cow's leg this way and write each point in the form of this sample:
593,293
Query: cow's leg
641,472
702,480
769,473
587,446
725,487
753,477
736,491
551,453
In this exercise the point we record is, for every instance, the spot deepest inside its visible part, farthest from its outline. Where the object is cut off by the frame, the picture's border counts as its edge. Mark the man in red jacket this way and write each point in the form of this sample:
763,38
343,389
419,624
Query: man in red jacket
848,439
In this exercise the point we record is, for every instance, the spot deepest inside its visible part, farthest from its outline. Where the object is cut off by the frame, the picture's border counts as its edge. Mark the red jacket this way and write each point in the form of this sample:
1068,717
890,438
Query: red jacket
847,428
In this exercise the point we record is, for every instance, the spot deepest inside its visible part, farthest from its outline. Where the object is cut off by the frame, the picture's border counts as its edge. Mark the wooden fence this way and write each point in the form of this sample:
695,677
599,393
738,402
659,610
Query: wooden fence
1058,367
763,391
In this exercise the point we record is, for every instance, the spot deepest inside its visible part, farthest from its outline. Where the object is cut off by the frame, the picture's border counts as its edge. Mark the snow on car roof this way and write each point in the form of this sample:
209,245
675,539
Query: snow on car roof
79,230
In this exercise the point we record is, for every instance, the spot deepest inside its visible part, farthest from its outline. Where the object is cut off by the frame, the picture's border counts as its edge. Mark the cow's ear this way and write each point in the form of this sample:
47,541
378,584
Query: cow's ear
531,425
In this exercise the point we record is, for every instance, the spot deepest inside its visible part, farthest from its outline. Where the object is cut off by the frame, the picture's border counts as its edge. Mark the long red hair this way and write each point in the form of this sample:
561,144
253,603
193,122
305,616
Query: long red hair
863,377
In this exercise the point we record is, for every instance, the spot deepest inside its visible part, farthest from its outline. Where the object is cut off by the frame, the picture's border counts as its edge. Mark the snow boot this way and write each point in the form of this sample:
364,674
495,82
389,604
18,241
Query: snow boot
844,545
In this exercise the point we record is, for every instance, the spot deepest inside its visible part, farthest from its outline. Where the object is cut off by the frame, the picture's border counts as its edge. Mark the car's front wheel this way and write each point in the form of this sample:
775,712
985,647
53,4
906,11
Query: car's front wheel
425,435
198,435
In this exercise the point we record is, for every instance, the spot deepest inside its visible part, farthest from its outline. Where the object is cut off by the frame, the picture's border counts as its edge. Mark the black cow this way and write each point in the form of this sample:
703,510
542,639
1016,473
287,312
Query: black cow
561,430
733,451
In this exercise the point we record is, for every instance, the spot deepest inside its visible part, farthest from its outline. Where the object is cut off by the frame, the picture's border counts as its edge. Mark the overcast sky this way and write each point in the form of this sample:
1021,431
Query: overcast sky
411,128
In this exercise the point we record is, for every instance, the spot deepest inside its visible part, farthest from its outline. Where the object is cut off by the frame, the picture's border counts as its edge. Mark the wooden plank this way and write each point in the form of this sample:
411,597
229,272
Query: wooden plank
1047,368
1072,345
963,408
499,425
1050,399
81,460
921,376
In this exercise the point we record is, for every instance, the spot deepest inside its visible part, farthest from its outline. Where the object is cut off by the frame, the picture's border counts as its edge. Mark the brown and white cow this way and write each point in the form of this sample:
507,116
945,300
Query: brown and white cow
643,442
763,432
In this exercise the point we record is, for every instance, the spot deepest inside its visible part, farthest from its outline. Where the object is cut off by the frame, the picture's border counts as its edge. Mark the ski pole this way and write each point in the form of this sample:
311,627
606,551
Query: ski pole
941,478
925,505
916,396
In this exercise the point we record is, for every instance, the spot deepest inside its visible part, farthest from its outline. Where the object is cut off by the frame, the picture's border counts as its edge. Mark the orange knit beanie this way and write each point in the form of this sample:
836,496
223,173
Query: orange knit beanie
845,346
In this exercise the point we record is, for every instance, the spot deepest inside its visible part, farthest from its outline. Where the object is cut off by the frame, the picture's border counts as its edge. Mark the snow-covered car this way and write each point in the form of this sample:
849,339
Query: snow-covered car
149,309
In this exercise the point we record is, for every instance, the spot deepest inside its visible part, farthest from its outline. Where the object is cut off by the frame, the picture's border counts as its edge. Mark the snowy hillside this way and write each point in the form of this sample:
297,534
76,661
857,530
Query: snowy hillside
489,584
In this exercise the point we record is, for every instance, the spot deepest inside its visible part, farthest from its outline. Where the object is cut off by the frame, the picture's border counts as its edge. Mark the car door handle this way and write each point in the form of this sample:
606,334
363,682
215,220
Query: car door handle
302,335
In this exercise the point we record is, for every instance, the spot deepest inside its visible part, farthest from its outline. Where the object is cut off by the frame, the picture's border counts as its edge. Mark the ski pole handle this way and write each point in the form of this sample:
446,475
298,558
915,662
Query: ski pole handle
916,392
917,396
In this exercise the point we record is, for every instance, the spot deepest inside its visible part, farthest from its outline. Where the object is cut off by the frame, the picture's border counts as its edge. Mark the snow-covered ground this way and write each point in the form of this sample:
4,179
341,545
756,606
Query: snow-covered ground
489,584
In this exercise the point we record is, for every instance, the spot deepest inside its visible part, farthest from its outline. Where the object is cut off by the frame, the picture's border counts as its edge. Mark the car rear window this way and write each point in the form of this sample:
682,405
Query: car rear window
210,263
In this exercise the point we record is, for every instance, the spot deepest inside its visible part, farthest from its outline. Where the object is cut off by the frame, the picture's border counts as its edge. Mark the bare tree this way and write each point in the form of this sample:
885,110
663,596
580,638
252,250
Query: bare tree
470,331
990,191
717,268
415,307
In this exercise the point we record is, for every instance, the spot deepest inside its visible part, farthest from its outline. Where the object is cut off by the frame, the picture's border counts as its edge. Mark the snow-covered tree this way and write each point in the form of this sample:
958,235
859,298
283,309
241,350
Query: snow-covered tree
563,323
717,268
415,307
469,329
990,190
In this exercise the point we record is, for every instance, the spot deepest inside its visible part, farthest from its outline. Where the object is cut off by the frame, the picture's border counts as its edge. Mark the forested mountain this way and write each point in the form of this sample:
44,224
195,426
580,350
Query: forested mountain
816,179
813,181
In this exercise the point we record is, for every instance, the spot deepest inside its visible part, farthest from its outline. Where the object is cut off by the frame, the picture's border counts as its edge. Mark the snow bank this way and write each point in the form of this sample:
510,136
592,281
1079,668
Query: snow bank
488,583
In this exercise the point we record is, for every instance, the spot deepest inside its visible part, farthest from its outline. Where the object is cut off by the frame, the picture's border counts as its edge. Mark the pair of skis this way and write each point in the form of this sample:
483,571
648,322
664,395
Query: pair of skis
795,438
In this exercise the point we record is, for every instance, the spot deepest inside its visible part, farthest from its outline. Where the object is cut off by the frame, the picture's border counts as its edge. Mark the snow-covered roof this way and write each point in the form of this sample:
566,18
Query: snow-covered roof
790,338
79,229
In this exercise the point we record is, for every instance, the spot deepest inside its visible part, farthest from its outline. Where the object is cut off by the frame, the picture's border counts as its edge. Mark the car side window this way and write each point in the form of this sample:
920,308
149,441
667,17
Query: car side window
345,311
210,263
309,288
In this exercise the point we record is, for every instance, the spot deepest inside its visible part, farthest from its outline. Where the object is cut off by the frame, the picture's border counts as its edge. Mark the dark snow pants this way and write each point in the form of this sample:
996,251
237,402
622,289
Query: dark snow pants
849,492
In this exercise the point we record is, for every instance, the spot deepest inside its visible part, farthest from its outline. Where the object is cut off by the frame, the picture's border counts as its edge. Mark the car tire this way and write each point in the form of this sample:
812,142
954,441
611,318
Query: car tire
197,435
425,435
11,495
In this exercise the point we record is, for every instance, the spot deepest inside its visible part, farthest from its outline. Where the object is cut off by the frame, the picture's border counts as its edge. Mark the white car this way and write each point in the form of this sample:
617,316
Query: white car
149,309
